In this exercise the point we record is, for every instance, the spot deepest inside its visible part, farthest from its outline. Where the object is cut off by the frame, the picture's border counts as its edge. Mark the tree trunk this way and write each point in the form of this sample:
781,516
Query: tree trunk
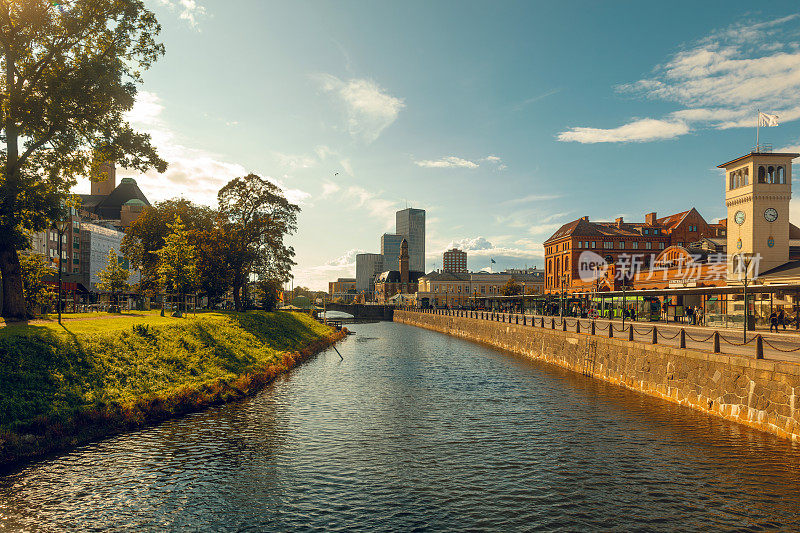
237,301
14,307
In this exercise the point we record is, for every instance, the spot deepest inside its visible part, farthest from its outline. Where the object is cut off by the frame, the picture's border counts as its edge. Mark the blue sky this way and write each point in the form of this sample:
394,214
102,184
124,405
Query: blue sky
503,120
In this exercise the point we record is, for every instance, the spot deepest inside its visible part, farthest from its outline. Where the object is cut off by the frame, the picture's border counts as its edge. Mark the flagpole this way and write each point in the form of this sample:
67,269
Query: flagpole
758,124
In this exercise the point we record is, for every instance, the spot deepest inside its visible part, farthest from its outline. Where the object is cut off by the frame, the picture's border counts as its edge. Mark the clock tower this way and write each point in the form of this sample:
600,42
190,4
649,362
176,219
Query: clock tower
758,187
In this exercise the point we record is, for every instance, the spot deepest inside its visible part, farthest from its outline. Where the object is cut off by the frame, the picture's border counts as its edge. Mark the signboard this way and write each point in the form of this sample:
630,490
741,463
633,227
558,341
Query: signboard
680,283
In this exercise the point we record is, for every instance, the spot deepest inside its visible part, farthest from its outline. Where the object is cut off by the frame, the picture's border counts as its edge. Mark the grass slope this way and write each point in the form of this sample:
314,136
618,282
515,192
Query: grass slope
128,371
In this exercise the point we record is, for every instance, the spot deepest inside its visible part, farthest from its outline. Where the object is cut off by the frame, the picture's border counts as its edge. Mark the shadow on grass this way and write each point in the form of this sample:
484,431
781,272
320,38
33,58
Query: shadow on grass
35,364
278,330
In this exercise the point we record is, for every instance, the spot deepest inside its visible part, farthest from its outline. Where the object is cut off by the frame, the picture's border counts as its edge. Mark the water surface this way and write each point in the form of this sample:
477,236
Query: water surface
415,430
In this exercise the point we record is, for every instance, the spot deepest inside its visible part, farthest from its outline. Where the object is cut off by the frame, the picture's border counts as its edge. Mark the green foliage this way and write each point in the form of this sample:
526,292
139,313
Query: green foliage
67,78
256,217
147,234
511,288
38,295
265,292
47,372
177,265
114,278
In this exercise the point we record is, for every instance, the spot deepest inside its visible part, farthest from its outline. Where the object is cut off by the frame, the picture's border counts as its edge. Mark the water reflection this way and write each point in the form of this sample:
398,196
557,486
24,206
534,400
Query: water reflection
419,430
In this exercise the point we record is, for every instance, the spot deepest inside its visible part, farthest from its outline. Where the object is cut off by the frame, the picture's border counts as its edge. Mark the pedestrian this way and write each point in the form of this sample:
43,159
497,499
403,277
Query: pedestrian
782,318
690,315
773,322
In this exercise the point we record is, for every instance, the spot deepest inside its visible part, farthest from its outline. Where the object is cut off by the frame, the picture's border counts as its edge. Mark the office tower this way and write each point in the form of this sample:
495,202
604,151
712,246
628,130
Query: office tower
410,223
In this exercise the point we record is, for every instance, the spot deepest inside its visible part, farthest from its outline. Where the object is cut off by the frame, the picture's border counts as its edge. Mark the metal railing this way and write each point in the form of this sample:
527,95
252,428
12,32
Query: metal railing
672,335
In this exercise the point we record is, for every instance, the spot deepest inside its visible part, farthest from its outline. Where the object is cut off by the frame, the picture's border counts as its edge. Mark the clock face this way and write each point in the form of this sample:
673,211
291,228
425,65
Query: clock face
771,214
739,217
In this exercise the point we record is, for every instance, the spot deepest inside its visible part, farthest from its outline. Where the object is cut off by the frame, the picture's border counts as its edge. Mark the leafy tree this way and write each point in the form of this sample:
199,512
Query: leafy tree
256,218
146,236
38,294
68,75
266,293
177,267
214,275
114,278
511,288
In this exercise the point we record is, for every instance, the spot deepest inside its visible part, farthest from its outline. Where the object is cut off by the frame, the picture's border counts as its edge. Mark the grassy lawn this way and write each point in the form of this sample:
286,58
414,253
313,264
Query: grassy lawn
49,372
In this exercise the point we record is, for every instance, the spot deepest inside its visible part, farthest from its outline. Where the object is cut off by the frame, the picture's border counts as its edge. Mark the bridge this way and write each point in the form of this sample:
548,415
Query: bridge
375,312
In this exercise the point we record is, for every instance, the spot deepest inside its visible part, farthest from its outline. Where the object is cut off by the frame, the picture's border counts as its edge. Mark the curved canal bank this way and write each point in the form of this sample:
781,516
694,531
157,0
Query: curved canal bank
759,393
416,429
94,378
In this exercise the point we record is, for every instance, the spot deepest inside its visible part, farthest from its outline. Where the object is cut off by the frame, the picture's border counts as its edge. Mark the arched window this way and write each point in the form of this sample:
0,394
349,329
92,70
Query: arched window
782,175
746,174
771,175
762,175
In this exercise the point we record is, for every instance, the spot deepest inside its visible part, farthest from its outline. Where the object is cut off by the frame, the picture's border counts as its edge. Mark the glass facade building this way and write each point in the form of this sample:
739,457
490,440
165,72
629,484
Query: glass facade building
410,223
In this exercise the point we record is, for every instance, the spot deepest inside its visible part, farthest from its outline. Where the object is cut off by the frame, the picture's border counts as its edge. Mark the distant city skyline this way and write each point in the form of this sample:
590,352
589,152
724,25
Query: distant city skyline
467,110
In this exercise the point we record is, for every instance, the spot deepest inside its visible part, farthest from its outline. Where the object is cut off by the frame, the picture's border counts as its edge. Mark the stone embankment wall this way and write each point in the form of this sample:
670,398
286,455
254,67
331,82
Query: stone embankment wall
759,393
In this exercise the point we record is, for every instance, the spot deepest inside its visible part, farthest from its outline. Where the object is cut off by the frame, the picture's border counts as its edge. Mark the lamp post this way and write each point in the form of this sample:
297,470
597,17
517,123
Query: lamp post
523,298
744,266
61,227
563,279
623,275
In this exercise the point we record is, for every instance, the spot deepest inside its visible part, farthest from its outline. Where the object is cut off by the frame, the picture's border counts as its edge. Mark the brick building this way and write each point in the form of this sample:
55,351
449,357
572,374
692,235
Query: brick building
454,261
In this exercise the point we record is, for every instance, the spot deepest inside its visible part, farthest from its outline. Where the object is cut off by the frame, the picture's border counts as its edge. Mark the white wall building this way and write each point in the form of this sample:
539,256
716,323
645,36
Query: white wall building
96,242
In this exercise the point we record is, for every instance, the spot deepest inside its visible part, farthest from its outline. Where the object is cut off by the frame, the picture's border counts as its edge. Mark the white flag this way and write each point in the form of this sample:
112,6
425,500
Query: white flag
765,120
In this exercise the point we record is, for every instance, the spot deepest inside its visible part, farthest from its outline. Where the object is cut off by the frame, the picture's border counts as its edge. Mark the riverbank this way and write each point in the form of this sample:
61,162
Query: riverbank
64,386
759,393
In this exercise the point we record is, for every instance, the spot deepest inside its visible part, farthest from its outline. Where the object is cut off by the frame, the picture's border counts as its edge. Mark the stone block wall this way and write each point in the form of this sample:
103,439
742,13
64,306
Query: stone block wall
759,393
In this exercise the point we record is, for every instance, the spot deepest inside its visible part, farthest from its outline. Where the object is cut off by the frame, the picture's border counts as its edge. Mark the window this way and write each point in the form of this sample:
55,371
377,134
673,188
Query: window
75,270
76,262
622,245
594,244
680,244
608,245
771,175
762,175
648,245
634,246
731,178
646,231
745,176
580,244
781,175
661,246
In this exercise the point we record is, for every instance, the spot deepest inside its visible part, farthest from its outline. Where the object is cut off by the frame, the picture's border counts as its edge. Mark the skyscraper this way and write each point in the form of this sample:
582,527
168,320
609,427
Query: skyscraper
367,266
390,250
410,223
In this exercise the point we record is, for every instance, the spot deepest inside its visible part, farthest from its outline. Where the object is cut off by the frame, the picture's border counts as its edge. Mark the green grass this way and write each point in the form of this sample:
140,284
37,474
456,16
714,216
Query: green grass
112,365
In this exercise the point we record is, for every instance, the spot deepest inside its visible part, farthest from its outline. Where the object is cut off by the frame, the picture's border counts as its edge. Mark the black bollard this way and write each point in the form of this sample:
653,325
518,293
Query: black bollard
759,347
655,335
630,332
683,338
716,342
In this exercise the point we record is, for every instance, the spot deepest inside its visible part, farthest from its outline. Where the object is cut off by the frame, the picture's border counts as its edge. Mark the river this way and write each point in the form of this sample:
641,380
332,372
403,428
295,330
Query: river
418,430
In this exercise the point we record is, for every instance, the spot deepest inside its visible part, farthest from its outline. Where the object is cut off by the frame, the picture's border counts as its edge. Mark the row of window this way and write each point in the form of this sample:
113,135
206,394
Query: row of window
621,245
766,174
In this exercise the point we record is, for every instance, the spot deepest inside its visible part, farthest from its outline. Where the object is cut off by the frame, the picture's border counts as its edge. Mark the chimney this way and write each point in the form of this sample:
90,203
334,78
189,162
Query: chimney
619,222
585,219
650,219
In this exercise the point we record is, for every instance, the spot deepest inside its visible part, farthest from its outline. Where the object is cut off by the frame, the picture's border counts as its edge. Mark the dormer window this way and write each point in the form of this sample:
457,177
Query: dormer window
646,231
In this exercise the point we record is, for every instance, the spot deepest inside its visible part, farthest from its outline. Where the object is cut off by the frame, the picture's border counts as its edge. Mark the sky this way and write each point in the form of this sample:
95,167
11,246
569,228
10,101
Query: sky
503,120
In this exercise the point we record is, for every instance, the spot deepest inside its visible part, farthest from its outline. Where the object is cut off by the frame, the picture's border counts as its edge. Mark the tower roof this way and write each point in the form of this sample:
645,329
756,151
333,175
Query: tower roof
789,155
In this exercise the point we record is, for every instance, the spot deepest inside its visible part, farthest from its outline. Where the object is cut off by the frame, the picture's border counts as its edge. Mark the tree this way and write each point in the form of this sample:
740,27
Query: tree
38,294
256,217
68,75
177,267
266,293
146,236
511,288
114,278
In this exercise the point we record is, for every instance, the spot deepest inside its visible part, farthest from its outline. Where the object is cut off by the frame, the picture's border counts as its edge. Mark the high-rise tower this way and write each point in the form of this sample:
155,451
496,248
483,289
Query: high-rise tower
410,223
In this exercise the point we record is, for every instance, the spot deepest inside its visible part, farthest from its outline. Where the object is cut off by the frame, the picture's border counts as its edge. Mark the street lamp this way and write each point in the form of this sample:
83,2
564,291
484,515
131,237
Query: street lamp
744,266
523,298
624,310
563,278
61,227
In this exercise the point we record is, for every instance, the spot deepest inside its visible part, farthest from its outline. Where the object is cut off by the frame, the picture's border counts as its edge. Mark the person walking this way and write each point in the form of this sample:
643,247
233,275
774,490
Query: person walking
782,318
773,322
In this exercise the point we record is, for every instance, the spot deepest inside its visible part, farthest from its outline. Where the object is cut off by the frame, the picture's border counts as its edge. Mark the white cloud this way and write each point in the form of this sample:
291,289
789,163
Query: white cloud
317,277
192,173
532,198
719,80
329,188
470,244
370,109
375,205
642,130
458,162
190,10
